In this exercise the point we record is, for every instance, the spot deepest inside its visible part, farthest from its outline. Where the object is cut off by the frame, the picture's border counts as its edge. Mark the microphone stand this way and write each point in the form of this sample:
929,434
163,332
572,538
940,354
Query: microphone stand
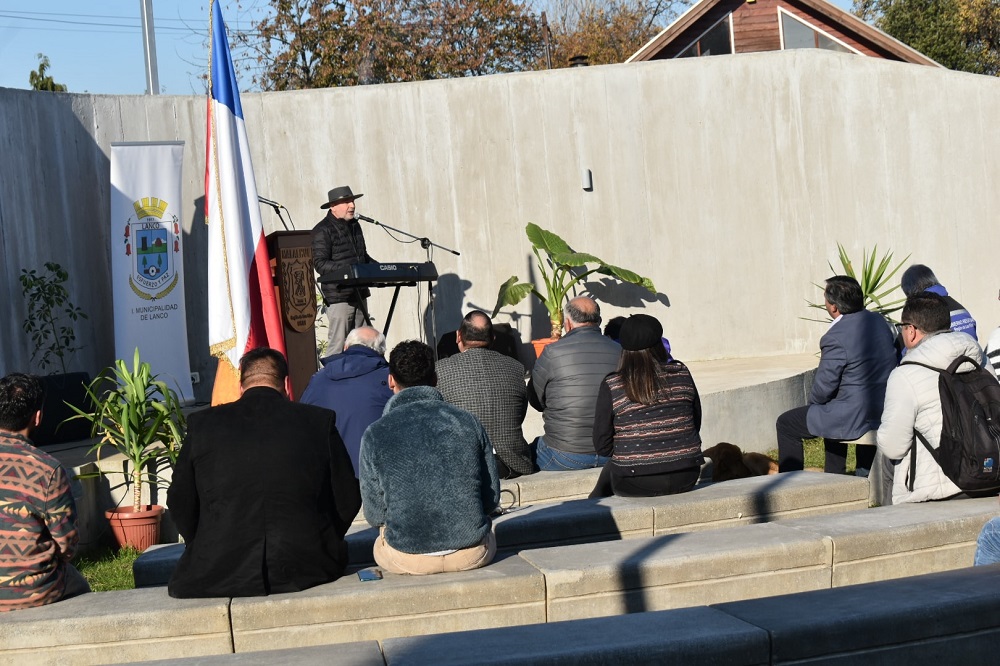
277,209
427,244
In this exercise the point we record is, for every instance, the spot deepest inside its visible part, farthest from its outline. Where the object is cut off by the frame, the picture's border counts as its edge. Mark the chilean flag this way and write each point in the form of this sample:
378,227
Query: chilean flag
242,309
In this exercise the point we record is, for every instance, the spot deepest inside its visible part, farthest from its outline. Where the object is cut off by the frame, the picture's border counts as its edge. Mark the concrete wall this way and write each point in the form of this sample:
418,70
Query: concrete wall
727,180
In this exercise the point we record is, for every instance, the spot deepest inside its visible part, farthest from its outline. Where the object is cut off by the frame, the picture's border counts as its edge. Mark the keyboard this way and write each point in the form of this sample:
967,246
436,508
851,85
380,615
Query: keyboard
398,274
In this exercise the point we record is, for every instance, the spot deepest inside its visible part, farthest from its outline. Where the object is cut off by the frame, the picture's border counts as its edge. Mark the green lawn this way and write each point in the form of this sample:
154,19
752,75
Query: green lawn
107,569
815,455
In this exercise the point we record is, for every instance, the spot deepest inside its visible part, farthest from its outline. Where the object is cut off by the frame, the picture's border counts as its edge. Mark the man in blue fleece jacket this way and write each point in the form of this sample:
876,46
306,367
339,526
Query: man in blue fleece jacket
428,477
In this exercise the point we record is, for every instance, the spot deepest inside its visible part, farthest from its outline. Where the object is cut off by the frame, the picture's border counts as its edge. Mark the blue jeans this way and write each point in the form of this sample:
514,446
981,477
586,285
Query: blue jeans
554,460
988,543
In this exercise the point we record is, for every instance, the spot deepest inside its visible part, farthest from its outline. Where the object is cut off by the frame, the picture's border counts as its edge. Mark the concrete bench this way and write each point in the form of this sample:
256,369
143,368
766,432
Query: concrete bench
107,627
365,653
536,586
539,488
678,570
509,591
949,618
742,501
683,637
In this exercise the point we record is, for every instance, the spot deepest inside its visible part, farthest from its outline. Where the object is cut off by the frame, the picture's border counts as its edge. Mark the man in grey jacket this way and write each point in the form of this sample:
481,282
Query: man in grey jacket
913,402
564,385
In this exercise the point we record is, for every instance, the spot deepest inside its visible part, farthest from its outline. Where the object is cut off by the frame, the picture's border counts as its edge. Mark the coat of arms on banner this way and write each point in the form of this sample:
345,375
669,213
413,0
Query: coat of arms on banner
152,242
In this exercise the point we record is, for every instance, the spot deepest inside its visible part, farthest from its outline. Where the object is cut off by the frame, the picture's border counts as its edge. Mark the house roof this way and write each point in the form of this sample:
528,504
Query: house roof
832,12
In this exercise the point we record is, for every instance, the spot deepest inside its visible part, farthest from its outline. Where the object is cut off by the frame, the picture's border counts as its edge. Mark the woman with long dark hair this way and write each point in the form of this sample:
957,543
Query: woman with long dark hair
647,419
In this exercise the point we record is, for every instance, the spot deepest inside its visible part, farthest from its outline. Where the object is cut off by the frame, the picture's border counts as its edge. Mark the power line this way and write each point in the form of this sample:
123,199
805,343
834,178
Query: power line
35,16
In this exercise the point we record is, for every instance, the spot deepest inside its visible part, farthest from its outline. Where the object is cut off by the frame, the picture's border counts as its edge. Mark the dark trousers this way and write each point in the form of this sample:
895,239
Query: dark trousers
792,428
503,471
647,485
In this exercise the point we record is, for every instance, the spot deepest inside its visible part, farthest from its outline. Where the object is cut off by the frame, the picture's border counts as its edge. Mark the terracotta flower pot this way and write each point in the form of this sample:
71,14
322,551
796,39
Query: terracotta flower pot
138,530
541,344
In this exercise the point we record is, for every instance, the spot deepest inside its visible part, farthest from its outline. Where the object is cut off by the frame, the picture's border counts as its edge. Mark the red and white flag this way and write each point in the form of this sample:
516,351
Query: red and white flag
242,310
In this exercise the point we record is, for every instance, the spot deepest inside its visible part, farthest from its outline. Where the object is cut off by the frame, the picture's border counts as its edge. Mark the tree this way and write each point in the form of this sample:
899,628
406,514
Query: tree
315,44
40,81
606,31
959,34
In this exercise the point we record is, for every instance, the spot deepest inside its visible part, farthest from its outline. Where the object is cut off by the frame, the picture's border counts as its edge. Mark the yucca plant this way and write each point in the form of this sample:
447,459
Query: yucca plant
562,270
138,416
874,279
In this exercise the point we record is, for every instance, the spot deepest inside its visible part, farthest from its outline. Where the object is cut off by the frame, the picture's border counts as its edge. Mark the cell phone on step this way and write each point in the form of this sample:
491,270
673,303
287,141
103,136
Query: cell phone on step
370,574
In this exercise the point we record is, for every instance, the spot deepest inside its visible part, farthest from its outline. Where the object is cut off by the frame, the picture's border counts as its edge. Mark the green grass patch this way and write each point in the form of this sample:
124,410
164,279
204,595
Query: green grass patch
108,569
815,455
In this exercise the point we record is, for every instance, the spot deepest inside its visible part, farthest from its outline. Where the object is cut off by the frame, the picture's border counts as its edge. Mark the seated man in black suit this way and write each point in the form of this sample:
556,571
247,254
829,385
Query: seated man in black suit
263,492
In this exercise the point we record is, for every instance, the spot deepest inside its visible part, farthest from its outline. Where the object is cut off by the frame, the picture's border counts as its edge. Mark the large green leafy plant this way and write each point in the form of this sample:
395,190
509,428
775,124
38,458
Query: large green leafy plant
876,280
138,416
51,315
562,270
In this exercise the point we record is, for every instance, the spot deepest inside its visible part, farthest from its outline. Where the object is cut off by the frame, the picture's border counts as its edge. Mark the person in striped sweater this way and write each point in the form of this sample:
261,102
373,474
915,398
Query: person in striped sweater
38,535
648,418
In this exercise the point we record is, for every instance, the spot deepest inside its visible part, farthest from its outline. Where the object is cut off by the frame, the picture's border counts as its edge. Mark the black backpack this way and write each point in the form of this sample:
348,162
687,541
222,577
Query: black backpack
969,451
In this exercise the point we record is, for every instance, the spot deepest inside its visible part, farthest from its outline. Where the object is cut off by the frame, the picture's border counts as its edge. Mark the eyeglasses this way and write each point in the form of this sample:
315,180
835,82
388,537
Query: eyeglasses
904,324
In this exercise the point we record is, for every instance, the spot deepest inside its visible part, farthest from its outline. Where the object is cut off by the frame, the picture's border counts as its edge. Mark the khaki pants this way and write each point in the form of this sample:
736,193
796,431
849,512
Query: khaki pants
465,559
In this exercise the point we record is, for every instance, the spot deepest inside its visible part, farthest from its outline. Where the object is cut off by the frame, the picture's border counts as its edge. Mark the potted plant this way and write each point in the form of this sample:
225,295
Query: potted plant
874,280
50,322
562,270
138,416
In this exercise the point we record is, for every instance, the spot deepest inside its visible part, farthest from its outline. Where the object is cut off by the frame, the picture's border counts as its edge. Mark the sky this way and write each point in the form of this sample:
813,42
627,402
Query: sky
96,45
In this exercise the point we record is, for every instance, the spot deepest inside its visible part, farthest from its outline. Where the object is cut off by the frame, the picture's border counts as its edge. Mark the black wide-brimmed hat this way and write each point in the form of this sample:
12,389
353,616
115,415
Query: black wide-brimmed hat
640,331
339,194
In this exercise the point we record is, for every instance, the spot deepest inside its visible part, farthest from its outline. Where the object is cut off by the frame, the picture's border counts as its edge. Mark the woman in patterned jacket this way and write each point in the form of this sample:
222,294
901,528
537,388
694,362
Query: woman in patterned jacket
647,419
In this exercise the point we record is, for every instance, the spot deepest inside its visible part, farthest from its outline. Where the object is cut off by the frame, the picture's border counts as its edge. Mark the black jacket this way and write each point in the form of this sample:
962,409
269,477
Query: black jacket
263,494
336,244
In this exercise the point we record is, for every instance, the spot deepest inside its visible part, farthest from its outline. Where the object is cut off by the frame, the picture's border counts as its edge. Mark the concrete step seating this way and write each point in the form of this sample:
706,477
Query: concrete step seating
535,586
539,488
742,501
948,617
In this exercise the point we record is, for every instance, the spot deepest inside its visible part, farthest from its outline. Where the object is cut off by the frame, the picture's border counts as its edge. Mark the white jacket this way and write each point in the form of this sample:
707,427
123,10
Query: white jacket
912,400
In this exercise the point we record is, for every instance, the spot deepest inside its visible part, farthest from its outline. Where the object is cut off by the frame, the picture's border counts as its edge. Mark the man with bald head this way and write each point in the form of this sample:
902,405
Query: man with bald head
564,385
490,385
263,492
355,384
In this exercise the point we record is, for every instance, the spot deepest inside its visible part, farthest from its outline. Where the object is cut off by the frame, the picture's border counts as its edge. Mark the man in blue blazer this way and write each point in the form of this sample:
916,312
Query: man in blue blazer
856,357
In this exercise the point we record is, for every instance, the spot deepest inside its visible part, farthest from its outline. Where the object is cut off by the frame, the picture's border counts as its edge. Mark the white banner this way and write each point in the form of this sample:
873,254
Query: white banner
147,259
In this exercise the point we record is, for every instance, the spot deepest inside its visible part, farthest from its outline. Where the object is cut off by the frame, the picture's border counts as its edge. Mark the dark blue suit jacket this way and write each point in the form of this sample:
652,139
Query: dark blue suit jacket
856,357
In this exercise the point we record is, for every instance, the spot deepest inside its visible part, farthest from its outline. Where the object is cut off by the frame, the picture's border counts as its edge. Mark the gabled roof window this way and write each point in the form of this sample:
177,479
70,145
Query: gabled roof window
796,33
717,40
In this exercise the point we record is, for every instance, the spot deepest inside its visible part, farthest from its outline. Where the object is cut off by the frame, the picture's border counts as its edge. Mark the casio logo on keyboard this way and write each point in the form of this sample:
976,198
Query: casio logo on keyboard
387,267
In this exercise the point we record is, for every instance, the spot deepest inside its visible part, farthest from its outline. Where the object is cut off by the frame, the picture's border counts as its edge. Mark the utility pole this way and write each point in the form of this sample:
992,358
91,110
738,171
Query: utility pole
546,36
149,47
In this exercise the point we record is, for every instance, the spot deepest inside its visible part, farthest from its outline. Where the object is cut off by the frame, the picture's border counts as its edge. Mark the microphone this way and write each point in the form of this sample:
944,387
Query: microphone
273,204
364,218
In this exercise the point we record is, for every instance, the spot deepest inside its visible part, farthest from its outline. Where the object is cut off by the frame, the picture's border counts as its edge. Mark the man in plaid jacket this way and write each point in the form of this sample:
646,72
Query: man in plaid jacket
491,386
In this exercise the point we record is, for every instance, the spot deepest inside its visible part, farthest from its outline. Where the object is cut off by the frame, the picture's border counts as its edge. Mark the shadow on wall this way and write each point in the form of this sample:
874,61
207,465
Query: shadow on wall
449,294
196,296
623,295
54,182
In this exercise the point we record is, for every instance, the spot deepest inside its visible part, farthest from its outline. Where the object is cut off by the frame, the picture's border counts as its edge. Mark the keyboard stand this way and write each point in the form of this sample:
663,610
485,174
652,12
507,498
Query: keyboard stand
392,306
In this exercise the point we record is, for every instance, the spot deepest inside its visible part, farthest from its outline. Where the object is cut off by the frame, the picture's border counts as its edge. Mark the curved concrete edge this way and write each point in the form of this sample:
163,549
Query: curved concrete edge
534,587
686,636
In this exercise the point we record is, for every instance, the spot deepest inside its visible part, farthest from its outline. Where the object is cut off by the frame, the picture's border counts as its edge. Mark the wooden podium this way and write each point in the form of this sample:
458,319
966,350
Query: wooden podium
295,289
